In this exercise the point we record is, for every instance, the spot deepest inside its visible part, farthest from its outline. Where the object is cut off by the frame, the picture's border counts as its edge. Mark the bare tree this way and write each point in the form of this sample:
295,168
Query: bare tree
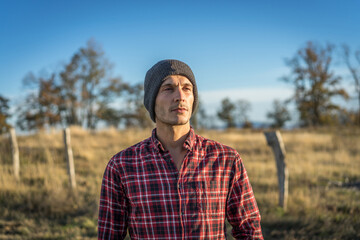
87,88
81,94
354,68
70,80
90,71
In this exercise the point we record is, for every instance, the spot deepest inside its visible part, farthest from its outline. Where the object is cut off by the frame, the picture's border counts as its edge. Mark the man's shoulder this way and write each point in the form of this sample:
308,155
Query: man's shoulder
132,152
210,145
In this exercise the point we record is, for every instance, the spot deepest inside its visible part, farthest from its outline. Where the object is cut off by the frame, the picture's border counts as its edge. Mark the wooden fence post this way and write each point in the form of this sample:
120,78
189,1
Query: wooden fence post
275,141
15,153
69,158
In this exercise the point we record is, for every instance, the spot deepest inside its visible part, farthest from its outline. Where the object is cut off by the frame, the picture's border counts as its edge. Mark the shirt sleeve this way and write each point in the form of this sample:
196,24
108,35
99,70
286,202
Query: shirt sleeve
242,211
113,207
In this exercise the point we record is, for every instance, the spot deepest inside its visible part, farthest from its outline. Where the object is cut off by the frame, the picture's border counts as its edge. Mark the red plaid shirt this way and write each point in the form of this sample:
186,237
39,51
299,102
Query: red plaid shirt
143,191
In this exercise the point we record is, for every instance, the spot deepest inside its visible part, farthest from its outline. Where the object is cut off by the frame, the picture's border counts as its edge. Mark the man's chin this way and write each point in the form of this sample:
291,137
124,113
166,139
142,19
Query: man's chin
177,122
183,120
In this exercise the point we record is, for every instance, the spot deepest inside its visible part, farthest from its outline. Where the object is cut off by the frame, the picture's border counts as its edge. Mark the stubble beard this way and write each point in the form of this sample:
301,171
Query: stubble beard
167,120
173,122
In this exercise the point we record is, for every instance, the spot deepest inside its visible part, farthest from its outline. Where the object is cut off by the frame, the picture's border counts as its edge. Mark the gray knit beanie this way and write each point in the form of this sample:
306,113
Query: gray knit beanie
155,76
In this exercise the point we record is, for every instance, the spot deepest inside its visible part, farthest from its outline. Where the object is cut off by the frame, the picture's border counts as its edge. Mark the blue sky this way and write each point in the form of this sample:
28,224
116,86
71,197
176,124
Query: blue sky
235,48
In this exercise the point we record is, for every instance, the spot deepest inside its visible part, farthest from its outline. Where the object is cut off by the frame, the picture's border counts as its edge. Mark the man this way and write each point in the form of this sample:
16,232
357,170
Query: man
176,184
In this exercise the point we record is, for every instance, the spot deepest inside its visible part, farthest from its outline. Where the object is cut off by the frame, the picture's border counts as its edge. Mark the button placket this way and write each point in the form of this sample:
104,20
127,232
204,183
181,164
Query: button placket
181,202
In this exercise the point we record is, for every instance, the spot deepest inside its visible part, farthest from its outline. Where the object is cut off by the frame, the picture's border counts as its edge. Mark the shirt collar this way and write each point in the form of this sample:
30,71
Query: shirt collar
188,144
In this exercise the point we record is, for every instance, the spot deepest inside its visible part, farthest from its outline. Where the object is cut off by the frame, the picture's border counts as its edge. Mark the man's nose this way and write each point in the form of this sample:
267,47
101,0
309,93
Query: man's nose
179,94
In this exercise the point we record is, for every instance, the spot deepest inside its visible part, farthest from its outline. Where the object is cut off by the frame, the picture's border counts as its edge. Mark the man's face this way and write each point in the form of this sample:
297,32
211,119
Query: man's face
174,102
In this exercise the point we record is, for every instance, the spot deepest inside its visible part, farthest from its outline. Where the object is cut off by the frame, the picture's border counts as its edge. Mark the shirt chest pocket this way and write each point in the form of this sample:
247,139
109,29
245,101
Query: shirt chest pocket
203,196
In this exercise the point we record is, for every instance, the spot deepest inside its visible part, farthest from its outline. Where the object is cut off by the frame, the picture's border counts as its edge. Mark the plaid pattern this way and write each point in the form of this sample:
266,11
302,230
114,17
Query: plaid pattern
143,191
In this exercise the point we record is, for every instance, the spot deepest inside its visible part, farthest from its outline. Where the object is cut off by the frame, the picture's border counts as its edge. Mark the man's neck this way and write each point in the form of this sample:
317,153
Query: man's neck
172,137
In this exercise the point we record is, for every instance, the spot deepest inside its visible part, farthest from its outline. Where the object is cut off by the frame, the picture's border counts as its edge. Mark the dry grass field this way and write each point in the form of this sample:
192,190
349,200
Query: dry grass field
324,191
